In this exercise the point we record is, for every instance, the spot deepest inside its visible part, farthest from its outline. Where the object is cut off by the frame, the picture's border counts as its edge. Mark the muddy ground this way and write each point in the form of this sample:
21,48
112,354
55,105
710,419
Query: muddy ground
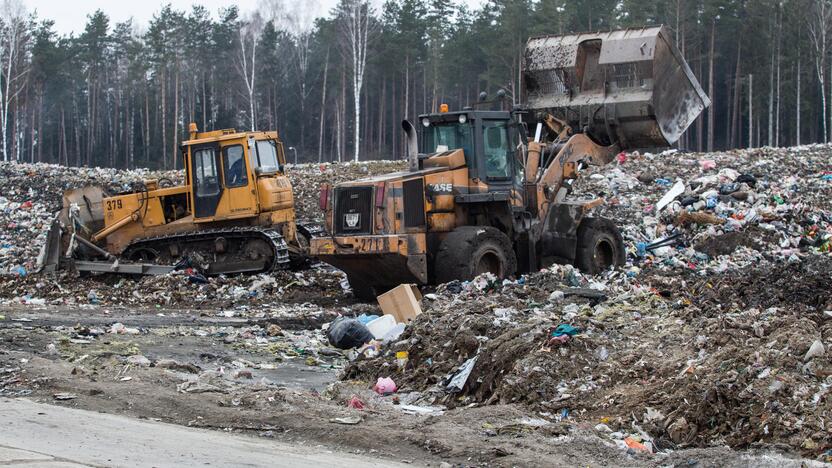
278,390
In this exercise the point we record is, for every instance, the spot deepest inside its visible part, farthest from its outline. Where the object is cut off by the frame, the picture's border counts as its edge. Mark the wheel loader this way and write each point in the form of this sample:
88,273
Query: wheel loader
234,214
490,190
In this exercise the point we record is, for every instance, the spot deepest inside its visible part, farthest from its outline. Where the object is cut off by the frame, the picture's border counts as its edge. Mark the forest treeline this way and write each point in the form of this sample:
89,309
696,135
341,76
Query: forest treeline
337,88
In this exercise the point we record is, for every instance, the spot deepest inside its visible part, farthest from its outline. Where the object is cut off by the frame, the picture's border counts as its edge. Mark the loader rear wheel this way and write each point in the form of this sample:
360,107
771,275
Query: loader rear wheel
469,251
600,246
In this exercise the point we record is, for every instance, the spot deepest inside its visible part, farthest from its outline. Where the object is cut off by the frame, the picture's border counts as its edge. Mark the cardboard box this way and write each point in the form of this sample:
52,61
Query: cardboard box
402,302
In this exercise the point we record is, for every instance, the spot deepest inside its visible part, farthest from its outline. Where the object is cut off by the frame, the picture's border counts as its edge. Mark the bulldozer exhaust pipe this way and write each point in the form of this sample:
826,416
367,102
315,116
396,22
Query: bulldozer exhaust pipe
412,146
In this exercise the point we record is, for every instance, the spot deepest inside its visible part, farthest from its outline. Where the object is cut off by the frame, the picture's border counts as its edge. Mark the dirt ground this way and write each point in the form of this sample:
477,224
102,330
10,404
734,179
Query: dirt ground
280,391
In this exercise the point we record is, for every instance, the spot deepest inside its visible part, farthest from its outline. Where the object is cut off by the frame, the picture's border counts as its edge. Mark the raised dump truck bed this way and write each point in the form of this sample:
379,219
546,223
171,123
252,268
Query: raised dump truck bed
629,86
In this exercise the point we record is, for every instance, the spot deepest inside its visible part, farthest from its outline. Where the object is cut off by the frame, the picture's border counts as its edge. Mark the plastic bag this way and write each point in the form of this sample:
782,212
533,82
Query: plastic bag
347,333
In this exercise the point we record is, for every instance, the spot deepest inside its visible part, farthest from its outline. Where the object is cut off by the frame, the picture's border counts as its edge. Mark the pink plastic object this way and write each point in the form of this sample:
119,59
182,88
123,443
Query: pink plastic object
385,386
707,164
355,403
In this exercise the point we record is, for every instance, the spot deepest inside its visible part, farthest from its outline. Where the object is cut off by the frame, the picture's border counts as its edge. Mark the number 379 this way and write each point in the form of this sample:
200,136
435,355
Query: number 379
113,205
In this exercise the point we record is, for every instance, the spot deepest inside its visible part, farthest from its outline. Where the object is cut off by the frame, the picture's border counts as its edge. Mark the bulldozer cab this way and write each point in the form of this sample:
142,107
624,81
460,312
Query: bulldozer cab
488,140
223,169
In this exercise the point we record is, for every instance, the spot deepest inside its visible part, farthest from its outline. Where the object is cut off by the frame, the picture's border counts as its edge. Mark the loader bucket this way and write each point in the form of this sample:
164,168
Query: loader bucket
630,87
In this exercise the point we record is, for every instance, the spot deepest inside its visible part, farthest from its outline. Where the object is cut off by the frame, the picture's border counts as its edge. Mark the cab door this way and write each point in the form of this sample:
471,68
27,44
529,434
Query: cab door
205,175
240,198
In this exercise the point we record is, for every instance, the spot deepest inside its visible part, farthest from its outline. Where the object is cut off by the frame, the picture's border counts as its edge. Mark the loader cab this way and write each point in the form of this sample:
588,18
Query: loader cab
488,140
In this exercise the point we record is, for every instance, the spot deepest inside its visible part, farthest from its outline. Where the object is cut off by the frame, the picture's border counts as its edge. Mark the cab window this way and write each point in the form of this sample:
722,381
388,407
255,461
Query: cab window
205,173
267,154
448,136
496,149
235,168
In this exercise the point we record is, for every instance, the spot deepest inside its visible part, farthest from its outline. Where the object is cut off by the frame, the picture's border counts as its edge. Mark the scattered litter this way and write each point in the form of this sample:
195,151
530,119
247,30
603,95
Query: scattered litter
349,420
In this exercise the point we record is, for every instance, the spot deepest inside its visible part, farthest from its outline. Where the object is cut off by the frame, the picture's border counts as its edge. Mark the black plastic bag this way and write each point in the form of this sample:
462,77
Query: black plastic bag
346,333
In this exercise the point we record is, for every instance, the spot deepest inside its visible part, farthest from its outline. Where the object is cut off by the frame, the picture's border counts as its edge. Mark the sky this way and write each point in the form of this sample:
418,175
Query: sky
71,15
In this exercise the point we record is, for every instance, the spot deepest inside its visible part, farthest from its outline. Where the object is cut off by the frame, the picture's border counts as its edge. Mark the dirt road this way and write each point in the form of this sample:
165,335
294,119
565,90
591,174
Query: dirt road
53,436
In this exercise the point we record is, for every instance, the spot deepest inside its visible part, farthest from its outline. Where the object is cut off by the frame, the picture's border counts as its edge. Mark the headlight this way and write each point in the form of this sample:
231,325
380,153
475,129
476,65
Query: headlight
463,118
426,122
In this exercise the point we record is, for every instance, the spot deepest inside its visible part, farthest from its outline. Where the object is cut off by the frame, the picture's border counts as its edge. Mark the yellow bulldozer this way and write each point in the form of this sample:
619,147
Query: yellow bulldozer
489,190
234,214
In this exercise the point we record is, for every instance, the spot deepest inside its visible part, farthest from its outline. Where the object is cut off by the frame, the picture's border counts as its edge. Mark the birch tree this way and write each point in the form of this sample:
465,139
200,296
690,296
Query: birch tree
13,43
247,61
818,24
300,22
357,27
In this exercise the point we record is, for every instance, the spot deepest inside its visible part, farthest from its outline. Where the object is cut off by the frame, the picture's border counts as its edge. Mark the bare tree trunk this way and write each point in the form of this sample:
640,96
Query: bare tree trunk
700,118
735,128
323,107
750,111
818,24
40,126
779,20
797,117
164,123
772,58
249,75
174,151
711,110
407,87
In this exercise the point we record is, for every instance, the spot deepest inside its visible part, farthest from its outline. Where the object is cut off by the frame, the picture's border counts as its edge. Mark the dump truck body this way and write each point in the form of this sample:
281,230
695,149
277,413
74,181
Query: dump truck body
482,195
234,213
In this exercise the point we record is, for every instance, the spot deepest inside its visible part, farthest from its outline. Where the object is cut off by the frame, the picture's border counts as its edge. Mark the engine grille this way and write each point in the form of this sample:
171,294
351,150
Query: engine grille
414,202
353,210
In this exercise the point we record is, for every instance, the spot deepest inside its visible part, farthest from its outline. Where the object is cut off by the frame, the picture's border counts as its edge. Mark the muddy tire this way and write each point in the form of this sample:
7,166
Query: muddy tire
600,246
472,250
362,290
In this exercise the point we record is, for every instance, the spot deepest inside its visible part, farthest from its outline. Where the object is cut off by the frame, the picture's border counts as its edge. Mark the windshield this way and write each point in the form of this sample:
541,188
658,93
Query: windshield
448,136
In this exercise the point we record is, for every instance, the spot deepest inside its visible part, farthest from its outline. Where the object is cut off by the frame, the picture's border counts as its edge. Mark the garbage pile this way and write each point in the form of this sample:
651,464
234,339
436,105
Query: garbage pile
181,289
666,360
685,210
307,180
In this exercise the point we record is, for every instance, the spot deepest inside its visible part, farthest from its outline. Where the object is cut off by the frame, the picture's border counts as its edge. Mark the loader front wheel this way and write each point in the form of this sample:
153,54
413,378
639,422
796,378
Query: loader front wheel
600,246
469,251
362,290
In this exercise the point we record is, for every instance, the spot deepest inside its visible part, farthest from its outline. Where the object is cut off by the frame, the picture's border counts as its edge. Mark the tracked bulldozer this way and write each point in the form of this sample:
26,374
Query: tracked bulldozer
490,190
233,214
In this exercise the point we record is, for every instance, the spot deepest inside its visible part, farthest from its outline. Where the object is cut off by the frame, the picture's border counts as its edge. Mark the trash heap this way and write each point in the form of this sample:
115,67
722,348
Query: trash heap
180,289
685,210
307,180
666,360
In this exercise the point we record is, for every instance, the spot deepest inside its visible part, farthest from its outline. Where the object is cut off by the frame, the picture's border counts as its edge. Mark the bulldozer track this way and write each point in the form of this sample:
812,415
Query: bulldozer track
280,250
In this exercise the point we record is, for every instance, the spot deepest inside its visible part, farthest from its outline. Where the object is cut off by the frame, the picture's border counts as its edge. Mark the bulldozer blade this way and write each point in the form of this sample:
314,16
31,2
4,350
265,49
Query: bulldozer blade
89,217
49,259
